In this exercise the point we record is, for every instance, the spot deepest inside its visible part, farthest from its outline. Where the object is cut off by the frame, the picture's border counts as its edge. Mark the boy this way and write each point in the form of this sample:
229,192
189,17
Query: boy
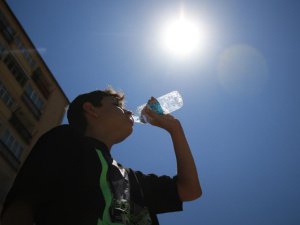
70,176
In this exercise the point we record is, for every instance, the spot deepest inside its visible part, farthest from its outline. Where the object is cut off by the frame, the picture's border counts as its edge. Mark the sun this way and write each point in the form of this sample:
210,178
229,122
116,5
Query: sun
181,37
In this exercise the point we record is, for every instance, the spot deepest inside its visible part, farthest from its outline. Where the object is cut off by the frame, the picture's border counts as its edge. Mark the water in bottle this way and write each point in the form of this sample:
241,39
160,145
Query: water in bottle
163,105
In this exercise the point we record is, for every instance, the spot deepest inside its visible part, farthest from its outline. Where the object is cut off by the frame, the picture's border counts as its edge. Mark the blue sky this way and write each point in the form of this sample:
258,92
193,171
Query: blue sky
241,93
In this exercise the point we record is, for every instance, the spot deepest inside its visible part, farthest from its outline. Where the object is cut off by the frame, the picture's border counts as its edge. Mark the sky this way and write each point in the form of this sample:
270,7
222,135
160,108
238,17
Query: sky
240,90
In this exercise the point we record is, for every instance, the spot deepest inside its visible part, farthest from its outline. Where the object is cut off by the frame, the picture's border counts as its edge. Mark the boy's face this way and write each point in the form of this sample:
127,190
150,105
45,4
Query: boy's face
117,121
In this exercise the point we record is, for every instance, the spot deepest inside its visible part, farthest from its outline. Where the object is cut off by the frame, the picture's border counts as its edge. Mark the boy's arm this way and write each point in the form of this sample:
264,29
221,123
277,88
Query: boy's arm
187,177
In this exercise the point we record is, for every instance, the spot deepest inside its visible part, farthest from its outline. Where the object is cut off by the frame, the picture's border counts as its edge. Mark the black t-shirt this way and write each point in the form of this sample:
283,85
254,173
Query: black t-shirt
69,179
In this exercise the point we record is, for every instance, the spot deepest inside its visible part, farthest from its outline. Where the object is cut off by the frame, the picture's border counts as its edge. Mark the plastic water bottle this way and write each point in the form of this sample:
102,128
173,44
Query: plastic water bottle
164,105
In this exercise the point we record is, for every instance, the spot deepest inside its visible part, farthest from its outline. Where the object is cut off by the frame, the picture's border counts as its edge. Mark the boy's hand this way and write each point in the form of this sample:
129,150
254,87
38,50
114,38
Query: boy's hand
166,121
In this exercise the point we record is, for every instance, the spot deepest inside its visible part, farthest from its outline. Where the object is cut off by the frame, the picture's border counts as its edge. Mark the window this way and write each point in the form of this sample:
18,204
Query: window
12,144
18,121
32,100
7,30
2,50
42,83
32,94
26,53
6,97
16,69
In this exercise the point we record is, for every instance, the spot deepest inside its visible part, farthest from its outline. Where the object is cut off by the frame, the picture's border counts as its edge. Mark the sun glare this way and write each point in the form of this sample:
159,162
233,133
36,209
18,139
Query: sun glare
181,37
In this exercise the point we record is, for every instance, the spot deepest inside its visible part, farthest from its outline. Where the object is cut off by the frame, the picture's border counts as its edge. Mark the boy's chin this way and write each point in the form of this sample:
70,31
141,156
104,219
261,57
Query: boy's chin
125,136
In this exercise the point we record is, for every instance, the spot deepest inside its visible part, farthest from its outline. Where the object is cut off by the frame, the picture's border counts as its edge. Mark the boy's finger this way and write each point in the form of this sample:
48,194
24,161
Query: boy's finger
151,113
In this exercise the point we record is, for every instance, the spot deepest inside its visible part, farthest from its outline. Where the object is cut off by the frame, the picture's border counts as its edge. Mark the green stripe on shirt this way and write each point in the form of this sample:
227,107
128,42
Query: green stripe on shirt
104,186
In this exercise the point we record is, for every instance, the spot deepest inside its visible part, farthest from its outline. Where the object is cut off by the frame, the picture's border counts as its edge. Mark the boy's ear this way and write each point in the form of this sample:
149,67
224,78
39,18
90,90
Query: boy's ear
89,109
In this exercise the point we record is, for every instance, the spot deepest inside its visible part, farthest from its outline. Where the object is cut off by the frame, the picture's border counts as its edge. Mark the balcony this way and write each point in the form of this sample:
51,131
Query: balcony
20,127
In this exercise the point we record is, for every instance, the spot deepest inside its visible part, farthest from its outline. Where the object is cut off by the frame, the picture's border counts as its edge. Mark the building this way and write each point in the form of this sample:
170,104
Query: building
31,100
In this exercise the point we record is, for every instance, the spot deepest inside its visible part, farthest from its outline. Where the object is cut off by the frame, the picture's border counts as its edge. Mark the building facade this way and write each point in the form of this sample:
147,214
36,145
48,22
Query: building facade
31,100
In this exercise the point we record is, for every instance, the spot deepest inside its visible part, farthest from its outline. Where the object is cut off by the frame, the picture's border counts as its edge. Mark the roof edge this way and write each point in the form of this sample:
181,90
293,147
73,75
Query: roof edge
38,54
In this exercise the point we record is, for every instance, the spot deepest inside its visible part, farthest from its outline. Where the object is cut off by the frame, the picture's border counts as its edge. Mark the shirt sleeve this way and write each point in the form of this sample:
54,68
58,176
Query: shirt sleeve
159,192
37,179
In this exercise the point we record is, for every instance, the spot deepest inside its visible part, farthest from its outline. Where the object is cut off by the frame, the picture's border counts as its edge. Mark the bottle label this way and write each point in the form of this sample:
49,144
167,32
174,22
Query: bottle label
154,105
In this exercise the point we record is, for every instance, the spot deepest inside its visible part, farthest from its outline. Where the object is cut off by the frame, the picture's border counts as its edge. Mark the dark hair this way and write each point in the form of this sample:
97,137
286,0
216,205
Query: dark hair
75,112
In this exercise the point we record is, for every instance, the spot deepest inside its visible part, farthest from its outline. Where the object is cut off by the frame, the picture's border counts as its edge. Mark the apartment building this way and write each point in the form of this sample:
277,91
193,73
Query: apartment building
31,100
